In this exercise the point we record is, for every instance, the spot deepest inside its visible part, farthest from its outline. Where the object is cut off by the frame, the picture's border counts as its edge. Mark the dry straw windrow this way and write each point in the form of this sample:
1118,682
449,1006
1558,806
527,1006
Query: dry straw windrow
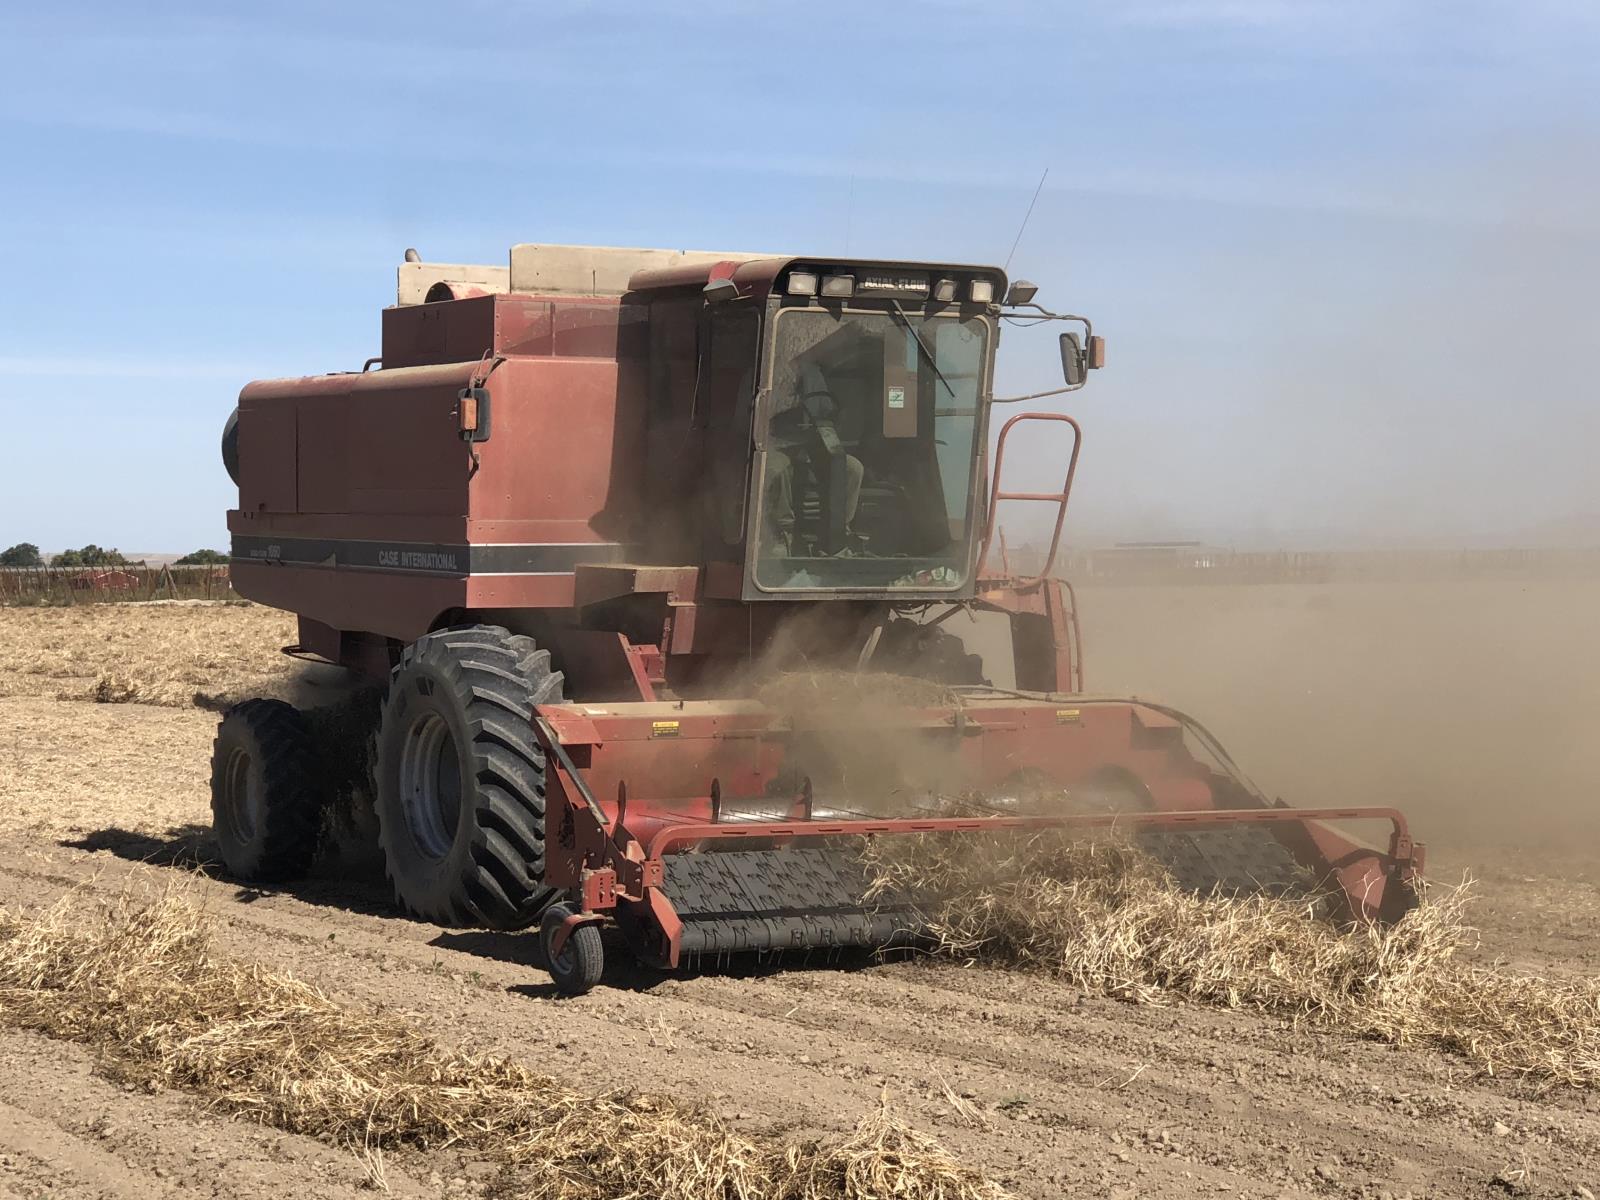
1106,918
145,984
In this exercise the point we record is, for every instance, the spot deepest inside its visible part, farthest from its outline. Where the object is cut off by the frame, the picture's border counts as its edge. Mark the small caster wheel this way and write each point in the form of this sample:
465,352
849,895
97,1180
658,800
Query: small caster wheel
577,968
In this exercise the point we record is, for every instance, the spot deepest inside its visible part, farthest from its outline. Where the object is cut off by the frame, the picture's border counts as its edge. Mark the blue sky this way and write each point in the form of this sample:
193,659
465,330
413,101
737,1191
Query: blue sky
1345,253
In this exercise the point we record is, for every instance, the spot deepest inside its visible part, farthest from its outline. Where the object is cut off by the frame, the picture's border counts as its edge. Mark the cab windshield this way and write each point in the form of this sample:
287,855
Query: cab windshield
871,447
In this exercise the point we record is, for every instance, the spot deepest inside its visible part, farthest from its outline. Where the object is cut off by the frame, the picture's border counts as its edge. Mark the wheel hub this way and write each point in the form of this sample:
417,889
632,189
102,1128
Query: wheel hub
430,786
243,796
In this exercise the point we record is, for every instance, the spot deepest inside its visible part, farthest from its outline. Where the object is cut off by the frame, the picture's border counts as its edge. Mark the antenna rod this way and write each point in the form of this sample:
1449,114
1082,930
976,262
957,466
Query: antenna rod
849,214
1025,216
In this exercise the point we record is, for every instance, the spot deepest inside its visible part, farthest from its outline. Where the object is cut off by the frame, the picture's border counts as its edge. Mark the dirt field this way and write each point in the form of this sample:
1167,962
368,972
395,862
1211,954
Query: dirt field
1463,703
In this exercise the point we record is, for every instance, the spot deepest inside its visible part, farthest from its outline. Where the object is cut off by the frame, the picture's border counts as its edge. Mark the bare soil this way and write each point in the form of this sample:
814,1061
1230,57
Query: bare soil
1055,1093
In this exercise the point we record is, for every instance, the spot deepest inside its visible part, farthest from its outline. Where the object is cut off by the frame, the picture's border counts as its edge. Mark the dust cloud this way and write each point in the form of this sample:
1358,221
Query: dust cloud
856,734
1412,373
1469,704
1416,378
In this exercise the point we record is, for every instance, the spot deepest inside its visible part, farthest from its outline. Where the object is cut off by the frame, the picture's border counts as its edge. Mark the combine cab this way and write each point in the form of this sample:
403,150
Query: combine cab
579,519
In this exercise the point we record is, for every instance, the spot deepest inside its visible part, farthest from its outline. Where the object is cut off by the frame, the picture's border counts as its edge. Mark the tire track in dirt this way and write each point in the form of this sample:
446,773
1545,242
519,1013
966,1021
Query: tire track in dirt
47,1149
1075,1091
68,1132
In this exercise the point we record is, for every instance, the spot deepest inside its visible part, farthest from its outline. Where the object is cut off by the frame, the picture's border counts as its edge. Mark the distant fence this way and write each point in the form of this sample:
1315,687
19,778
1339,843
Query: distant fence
1202,565
99,585
90,585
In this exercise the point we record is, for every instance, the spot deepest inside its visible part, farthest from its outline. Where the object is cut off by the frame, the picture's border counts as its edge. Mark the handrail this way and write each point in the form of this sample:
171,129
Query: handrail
1075,628
1058,498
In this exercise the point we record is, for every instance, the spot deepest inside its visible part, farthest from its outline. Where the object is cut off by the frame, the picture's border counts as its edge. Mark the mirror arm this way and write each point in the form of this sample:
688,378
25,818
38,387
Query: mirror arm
1041,313
1071,387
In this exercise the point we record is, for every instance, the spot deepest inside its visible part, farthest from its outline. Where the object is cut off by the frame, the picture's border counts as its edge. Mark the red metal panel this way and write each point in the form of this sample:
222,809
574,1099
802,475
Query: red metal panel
381,442
409,459
566,326
267,457
381,455
564,451
449,331
524,327
676,750
572,728
609,580
400,607
586,330
518,591
323,438
420,527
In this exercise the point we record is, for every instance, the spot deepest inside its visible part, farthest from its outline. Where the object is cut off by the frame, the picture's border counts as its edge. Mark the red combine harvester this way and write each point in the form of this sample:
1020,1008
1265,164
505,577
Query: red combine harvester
583,509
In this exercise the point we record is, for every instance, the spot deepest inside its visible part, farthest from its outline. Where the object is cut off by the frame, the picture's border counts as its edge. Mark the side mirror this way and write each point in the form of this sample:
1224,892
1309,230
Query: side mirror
1072,362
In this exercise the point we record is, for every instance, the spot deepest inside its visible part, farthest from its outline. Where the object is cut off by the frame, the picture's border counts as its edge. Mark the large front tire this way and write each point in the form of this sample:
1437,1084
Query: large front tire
461,789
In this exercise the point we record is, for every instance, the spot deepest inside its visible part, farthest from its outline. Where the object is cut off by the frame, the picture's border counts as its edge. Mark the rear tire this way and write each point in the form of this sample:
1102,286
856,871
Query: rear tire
460,787
266,799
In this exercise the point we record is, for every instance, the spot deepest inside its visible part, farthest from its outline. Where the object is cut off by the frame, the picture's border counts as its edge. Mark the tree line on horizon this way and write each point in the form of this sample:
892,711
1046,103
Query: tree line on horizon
27,554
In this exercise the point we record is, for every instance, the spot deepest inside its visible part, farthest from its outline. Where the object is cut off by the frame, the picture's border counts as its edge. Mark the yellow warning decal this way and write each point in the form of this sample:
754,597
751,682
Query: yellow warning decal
663,729
1068,716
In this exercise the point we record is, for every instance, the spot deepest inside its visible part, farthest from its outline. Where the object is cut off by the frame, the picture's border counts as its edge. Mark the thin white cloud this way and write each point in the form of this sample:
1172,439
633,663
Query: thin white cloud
1252,14
68,365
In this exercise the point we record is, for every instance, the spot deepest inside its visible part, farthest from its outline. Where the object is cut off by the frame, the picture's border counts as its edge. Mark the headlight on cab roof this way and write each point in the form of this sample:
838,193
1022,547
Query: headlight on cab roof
983,291
838,285
802,283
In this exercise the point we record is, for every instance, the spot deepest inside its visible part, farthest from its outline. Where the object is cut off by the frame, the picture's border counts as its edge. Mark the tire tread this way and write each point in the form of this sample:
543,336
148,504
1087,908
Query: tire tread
280,739
496,679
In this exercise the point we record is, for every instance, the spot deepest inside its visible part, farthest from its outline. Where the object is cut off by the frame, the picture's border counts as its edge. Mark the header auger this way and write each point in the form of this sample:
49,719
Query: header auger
581,509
